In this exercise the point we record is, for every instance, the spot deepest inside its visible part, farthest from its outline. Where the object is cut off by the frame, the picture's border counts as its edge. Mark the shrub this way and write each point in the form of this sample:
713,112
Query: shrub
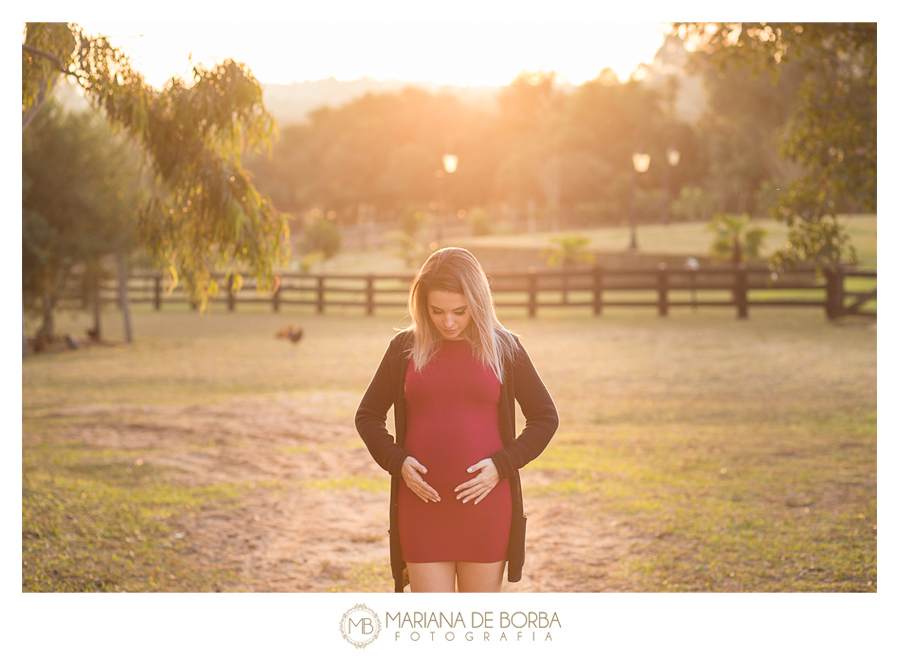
322,235
480,222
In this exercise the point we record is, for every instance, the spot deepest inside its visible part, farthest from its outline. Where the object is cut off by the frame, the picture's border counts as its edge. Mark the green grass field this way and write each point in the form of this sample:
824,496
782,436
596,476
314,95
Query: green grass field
740,454
682,238
685,238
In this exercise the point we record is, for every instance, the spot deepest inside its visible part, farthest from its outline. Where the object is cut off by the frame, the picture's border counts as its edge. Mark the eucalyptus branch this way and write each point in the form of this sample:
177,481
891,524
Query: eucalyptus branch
53,58
191,140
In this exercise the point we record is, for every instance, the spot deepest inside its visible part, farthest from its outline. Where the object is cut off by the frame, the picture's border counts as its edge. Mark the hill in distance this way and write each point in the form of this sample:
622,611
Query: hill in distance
291,103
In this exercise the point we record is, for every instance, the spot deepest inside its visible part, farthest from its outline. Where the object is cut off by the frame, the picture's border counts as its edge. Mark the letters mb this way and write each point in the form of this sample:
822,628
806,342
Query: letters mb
365,626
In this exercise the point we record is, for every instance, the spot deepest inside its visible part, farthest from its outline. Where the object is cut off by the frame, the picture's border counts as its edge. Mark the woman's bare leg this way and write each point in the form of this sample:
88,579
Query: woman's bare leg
480,576
432,576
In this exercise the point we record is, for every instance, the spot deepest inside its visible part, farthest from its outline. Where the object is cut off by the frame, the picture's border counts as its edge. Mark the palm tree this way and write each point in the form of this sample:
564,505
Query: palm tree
568,253
734,239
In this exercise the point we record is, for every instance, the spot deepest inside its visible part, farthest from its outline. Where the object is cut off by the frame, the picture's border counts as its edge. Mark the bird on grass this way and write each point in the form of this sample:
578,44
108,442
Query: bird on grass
291,332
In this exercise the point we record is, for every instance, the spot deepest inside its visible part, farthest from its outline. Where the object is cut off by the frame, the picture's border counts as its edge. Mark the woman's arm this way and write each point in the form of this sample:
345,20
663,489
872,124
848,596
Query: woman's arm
541,418
371,417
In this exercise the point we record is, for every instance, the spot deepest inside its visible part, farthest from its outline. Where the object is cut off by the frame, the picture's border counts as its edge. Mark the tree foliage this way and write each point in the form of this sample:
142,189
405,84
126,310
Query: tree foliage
742,130
412,219
381,149
568,250
407,248
321,235
537,144
78,201
831,132
204,213
735,240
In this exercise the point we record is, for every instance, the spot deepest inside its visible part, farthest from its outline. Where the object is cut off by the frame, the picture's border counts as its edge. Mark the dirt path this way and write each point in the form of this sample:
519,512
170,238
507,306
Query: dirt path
316,530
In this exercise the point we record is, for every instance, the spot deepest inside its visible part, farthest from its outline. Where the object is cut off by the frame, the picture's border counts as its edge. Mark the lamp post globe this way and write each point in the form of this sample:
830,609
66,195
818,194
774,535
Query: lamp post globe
450,162
673,155
641,163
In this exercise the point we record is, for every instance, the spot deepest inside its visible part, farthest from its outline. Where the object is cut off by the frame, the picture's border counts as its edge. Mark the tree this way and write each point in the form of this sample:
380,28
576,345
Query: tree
379,150
527,136
539,145
745,121
407,248
203,212
569,251
735,240
78,201
412,219
321,236
832,128
480,221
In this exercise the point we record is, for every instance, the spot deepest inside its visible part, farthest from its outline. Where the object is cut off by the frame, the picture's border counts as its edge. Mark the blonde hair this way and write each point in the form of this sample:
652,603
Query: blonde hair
456,270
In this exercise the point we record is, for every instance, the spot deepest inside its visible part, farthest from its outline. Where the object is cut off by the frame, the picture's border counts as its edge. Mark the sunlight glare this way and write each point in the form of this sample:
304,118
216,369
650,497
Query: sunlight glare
464,54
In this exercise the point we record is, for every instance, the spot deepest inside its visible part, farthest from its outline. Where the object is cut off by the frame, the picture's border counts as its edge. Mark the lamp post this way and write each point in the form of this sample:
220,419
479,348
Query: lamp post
641,162
449,162
673,155
693,265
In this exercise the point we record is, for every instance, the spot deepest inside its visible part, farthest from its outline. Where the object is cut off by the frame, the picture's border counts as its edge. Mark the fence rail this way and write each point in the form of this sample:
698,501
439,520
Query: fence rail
593,287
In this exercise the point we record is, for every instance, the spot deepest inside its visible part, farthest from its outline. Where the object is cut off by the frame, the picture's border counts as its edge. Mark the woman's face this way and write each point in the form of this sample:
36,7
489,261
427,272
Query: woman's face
449,312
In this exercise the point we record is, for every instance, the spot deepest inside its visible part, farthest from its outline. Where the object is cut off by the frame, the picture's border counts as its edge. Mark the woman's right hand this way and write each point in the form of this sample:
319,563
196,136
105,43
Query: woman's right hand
412,472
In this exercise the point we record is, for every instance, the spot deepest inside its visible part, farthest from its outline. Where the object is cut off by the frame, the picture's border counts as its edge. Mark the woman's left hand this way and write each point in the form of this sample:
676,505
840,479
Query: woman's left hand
481,485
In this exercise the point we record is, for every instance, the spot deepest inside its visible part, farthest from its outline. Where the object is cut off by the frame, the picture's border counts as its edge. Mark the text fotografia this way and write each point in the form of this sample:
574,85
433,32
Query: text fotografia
480,626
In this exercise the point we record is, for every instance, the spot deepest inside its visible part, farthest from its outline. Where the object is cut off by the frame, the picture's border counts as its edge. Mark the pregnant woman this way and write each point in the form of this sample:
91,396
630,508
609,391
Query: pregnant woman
456,515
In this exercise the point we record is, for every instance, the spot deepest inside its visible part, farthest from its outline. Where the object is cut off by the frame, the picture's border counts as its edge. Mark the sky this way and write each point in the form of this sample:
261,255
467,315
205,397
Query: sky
457,53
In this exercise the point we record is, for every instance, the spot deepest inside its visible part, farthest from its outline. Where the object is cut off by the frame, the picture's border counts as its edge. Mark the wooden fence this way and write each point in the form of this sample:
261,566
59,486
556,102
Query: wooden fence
594,288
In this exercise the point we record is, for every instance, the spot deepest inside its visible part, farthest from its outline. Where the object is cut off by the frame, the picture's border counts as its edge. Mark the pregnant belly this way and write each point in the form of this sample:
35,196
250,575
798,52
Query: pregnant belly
448,449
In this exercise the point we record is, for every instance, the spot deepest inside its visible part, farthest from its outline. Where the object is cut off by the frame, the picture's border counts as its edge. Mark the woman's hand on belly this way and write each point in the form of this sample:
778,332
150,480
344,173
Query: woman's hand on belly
482,484
412,472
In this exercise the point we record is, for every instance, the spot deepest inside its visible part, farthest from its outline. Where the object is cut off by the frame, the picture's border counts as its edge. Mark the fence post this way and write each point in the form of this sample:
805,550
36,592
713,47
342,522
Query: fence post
231,291
532,294
663,286
740,290
834,290
598,290
694,290
830,280
370,295
157,291
320,294
839,296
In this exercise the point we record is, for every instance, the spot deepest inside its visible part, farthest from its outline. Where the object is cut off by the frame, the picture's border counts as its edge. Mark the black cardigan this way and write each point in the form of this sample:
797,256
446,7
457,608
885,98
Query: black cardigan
521,382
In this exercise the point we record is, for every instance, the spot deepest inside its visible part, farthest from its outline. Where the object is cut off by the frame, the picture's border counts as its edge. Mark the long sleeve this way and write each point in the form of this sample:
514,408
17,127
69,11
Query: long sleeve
371,417
541,418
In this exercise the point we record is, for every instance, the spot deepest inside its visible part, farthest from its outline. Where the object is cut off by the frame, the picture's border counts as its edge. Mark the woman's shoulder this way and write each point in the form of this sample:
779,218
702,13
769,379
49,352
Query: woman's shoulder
508,337
402,339
511,349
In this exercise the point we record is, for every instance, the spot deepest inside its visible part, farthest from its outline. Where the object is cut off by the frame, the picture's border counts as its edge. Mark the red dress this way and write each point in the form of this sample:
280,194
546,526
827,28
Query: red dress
452,423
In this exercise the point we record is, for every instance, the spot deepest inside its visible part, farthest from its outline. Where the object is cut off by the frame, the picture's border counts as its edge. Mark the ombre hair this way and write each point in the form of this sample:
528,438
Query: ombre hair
456,270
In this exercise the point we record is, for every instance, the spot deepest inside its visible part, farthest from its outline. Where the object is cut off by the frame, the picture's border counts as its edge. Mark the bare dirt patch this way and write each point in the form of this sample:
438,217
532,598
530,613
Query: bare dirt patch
316,515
